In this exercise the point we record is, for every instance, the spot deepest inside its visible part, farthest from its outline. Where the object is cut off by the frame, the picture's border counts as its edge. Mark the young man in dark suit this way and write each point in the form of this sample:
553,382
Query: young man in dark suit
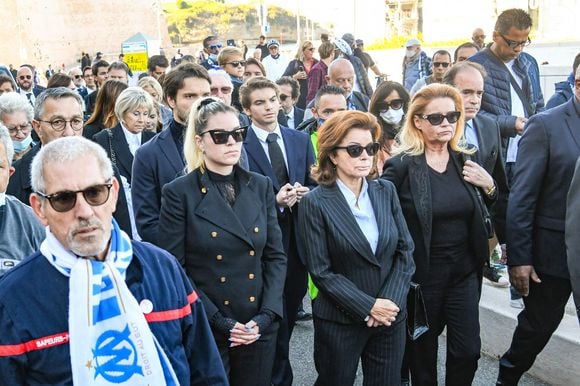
160,160
284,155
535,229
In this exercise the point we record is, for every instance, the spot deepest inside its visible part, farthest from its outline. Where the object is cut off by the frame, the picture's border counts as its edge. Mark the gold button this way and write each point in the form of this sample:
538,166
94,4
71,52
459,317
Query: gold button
252,299
226,302
214,234
222,279
203,190
256,230
252,253
219,257
251,276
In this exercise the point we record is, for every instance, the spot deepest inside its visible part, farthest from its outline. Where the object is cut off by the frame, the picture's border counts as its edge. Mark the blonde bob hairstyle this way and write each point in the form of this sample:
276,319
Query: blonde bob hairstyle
332,133
131,99
227,54
410,138
301,48
201,111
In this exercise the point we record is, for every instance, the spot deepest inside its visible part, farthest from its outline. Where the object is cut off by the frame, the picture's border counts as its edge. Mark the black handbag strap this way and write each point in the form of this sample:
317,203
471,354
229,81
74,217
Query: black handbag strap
520,92
111,150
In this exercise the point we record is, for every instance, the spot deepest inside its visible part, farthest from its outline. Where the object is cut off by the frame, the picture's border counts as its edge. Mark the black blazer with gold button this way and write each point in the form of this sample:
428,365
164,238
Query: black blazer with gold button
234,255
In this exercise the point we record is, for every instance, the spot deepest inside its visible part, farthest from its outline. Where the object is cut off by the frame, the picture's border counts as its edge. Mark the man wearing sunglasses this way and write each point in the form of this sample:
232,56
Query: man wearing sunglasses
98,307
440,63
77,77
26,84
289,94
211,50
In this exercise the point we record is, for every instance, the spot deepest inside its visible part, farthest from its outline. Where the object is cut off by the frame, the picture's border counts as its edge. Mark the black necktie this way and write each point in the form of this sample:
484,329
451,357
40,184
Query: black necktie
277,159
29,96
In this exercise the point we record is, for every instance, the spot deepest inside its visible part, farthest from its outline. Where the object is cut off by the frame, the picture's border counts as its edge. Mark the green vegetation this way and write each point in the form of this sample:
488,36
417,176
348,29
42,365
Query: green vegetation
191,21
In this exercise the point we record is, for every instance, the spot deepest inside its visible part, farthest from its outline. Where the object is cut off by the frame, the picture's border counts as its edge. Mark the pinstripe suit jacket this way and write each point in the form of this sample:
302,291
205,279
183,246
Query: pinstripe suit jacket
340,260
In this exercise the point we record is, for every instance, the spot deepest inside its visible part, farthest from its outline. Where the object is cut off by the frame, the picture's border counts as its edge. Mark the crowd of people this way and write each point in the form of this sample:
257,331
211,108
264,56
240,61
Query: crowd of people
167,233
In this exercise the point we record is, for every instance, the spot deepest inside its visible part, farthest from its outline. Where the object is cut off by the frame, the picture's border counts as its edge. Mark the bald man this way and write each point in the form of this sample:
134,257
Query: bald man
478,37
341,74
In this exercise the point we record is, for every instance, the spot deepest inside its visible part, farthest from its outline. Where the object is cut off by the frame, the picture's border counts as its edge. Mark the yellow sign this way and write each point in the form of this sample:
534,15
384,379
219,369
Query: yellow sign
137,61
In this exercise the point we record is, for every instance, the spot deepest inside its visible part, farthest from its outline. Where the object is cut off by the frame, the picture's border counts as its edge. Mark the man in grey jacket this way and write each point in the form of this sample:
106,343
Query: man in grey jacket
20,231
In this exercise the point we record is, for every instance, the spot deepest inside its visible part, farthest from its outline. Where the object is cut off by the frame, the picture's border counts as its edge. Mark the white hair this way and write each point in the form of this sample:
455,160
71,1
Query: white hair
215,72
67,150
7,141
12,102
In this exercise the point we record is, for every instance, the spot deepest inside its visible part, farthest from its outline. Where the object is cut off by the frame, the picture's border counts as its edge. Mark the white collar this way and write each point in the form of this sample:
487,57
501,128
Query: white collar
263,134
133,139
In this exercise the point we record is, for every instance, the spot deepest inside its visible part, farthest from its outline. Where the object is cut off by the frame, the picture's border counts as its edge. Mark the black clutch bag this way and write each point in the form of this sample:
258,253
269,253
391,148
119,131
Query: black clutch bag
417,323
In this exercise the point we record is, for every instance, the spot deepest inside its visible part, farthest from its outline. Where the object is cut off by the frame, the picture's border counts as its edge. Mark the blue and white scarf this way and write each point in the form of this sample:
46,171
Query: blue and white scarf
109,338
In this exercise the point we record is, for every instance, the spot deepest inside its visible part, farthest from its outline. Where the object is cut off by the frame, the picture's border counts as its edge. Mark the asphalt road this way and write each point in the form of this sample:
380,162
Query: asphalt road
301,348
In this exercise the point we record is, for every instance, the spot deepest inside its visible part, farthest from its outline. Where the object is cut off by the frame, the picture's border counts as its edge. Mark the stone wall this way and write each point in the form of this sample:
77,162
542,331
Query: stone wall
43,32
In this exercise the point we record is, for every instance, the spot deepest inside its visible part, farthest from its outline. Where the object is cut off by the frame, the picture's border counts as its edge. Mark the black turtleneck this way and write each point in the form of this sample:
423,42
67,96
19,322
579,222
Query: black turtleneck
178,134
226,185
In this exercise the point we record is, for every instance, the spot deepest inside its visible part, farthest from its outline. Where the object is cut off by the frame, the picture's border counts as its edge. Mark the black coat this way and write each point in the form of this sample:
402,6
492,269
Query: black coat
233,254
117,148
410,175
535,222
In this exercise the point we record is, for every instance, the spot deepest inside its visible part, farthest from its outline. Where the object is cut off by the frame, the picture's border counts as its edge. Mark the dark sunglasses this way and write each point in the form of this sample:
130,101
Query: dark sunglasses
440,64
513,44
437,118
221,137
310,49
64,201
22,77
356,150
214,46
395,104
238,63
78,76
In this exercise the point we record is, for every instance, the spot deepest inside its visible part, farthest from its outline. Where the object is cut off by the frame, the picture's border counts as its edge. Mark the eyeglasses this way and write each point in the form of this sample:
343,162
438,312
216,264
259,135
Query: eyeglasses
95,195
214,46
221,137
22,77
25,129
78,76
440,64
577,82
60,124
283,97
224,90
395,104
356,150
479,36
310,49
238,63
437,118
513,44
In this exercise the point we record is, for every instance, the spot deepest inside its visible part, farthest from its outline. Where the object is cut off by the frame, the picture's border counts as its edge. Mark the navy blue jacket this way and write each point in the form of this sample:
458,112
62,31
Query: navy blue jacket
563,92
156,163
496,103
34,303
